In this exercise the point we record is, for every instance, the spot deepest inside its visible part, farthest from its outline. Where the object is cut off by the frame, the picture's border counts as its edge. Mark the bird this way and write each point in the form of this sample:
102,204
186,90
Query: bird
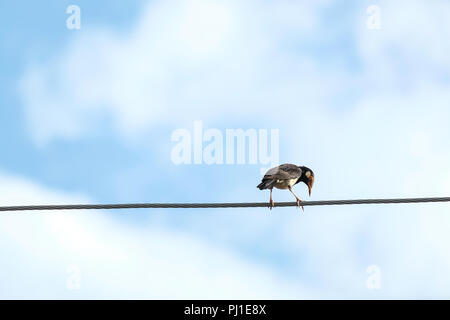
285,176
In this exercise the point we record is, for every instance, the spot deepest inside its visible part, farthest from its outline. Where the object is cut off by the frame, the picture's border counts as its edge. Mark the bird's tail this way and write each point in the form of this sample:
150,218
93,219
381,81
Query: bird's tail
266,184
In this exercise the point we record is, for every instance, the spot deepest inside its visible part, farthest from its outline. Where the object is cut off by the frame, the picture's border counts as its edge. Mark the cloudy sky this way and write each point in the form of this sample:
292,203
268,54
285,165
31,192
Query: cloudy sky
358,91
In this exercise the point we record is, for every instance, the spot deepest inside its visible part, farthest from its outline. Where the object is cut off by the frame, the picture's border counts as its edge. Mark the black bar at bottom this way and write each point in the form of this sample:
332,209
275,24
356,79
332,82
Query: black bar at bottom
214,309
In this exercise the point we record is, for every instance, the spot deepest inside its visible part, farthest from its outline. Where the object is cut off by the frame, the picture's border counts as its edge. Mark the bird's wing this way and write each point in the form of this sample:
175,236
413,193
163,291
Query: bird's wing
292,170
283,172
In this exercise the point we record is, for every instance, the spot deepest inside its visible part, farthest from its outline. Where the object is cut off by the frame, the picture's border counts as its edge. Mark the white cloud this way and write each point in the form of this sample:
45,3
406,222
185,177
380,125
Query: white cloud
410,48
210,60
188,58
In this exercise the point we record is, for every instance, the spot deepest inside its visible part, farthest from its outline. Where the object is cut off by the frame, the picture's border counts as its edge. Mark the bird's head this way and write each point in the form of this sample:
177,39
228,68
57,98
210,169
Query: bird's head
308,178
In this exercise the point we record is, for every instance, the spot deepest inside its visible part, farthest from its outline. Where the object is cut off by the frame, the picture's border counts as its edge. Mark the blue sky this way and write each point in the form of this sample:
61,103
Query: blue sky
87,116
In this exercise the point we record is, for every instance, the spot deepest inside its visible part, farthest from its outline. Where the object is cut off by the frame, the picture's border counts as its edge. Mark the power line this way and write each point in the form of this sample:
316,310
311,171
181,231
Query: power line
217,205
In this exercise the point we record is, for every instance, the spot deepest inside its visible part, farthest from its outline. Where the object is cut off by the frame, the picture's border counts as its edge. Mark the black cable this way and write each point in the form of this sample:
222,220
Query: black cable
217,205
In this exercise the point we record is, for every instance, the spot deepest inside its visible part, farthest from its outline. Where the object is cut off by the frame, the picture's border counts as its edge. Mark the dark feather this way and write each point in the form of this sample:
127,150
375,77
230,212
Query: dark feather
266,184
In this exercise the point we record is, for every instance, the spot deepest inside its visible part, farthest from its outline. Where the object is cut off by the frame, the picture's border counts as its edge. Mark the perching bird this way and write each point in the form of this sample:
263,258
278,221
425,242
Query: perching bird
284,177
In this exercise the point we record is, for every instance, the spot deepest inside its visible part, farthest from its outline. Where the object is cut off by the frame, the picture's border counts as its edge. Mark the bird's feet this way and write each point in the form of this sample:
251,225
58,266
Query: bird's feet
299,204
271,204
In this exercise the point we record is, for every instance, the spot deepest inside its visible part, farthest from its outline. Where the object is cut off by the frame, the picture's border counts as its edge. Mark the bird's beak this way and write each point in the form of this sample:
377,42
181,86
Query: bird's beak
310,185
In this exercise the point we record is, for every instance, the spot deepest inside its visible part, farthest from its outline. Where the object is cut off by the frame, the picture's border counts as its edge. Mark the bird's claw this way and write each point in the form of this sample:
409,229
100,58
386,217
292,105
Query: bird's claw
271,204
299,205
